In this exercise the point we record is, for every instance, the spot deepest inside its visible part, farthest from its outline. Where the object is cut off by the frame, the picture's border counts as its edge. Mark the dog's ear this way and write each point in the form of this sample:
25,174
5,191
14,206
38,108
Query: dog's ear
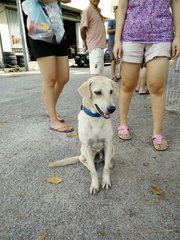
115,88
85,89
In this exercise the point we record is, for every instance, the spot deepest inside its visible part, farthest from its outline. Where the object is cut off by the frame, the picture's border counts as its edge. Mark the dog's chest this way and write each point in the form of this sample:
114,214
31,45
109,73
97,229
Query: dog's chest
96,137
97,132
94,131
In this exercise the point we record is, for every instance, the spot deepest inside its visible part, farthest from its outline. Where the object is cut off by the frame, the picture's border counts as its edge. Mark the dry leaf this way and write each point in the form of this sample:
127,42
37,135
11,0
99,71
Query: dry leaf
3,120
146,163
174,193
55,180
152,200
41,237
72,135
158,191
174,230
102,233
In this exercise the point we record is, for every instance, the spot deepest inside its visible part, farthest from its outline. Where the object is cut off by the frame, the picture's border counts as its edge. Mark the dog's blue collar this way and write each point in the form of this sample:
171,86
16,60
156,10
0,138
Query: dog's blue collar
89,113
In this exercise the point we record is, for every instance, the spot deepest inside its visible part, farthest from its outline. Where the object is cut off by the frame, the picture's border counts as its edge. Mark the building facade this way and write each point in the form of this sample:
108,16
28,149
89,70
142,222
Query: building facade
10,35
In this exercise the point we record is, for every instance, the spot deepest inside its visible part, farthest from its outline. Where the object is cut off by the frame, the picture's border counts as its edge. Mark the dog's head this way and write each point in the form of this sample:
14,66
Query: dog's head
97,93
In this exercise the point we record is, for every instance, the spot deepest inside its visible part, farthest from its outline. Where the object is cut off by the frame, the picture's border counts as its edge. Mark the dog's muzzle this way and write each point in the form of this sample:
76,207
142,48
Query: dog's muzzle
106,115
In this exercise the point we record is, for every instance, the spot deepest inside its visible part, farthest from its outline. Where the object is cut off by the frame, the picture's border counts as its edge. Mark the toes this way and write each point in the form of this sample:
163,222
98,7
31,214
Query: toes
94,187
93,191
106,185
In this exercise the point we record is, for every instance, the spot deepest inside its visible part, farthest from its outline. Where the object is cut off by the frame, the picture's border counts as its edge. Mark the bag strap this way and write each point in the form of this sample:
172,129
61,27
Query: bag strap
60,8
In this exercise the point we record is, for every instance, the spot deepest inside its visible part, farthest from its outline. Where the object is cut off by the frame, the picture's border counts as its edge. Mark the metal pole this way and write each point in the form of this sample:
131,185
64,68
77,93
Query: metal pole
1,49
23,35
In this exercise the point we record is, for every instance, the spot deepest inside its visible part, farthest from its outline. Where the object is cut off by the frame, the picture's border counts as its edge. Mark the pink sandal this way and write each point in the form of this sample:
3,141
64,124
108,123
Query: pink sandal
125,135
159,142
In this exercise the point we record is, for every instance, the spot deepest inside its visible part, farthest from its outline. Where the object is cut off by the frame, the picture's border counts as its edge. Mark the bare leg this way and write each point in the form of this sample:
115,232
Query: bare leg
130,72
138,83
47,67
142,80
113,69
62,78
141,85
156,80
62,75
118,70
49,72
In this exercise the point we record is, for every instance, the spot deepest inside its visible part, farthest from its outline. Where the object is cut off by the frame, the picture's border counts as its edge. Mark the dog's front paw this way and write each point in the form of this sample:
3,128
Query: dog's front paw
94,189
106,182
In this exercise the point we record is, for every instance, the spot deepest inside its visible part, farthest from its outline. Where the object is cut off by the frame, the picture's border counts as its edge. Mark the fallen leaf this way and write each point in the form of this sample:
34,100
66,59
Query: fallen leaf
146,163
102,233
3,120
72,135
158,191
152,200
41,237
55,180
174,193
174,230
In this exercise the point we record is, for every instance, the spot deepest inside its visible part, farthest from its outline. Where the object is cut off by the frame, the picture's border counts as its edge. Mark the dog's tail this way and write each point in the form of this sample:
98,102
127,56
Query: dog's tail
64,162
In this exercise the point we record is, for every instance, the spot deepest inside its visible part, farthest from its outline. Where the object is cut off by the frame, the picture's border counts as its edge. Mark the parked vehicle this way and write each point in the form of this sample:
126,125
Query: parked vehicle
82,58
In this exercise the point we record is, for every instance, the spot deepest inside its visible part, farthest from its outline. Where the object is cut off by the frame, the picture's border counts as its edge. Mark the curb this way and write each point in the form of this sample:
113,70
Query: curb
34,69
17,74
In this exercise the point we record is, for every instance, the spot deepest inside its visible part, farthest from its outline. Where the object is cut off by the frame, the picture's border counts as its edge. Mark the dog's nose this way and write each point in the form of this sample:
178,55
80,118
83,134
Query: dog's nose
111,109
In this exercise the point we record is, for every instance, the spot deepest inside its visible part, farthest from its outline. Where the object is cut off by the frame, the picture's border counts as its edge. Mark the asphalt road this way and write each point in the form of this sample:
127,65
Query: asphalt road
143,202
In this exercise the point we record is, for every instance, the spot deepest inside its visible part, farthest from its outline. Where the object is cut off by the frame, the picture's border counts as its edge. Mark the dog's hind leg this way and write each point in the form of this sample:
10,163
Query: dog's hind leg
106,182
83,160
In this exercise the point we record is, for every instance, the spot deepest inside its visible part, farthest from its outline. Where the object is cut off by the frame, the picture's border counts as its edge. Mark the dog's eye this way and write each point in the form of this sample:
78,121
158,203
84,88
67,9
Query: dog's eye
98,92
111,92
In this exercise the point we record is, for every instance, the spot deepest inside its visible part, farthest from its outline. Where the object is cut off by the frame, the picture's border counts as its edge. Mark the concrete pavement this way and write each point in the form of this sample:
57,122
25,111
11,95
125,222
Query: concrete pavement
143,203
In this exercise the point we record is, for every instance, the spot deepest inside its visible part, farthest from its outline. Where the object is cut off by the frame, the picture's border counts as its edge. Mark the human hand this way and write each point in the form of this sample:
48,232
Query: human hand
175,48
117,50
85,45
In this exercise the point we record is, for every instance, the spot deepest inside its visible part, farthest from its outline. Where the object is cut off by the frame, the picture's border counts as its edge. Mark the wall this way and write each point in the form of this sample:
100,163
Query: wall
4,30
79,41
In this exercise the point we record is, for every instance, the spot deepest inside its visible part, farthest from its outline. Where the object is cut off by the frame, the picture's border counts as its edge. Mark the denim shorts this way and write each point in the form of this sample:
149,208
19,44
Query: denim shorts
44,49
133,52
